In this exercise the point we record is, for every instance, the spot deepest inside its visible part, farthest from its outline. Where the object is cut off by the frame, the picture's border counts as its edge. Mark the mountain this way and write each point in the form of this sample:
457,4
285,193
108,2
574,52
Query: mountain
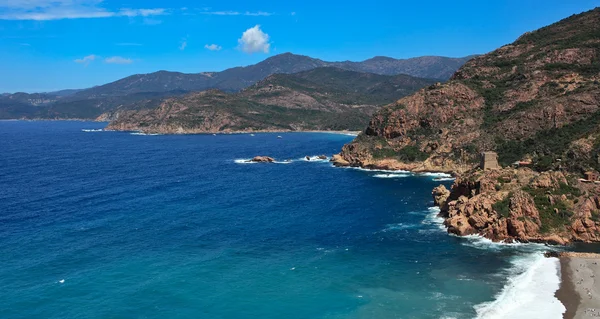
537,101
320,99
52,106
433,67
92,102
238,78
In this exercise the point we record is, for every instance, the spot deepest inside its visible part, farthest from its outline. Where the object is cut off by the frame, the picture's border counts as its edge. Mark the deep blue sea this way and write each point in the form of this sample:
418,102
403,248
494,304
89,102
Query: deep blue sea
118,225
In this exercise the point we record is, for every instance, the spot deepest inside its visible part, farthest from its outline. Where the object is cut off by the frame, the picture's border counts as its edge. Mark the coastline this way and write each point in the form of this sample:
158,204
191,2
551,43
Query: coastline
343,132
579,290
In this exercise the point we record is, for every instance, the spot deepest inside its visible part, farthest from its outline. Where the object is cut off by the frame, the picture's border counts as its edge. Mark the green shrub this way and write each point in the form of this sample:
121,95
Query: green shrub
549,217
384,153
566,189
544,163
503,207
412,153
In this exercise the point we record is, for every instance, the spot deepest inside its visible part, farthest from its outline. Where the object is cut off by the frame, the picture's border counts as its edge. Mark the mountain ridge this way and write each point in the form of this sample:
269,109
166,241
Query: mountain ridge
319,99
92,102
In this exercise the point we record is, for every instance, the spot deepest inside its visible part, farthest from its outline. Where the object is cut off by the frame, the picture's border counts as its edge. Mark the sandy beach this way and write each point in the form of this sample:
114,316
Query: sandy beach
580,288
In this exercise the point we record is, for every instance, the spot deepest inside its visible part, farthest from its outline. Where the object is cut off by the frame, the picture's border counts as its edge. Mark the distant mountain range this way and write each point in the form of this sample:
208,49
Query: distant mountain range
90,103
325,98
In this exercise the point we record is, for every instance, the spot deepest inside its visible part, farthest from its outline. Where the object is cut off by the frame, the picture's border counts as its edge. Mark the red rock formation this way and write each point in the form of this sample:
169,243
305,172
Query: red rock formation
509,212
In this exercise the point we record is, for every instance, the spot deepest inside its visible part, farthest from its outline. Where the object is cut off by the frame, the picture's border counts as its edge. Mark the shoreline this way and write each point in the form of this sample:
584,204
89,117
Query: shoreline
348,133
344,132
579,292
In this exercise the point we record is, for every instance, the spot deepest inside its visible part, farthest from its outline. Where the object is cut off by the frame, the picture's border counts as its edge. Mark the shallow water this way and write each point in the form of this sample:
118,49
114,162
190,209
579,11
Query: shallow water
114,225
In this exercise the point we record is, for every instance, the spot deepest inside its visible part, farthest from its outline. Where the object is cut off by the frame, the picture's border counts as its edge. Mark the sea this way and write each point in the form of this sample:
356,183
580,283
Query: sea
102,224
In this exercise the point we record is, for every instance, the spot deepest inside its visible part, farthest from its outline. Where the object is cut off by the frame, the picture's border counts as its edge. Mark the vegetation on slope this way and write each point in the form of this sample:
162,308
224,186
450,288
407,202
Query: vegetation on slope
537,98
320,99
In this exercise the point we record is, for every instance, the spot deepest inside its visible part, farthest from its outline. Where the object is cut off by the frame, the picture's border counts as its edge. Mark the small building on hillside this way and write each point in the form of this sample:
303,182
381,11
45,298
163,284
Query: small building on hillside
592,176
524,163
489,160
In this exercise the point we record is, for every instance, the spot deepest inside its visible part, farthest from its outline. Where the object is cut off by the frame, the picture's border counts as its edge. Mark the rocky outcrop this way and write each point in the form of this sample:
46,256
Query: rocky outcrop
440,195
521,205
262,159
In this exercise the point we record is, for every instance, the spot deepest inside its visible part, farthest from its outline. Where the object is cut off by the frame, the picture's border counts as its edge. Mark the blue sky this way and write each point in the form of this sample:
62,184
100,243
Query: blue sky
48,45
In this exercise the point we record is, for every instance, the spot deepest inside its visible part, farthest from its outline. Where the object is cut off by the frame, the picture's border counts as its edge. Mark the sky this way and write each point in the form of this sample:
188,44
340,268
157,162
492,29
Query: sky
48,45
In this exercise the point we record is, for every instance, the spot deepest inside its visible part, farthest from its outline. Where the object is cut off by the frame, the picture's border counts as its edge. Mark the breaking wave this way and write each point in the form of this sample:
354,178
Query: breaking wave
314,159
436,175
249,161
145,134
390,175
92,130
432,218
529,292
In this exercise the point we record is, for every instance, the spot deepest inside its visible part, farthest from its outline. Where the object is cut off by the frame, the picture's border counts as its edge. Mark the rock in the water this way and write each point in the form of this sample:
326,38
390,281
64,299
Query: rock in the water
440,195
338,160
308,158
262,159
322,157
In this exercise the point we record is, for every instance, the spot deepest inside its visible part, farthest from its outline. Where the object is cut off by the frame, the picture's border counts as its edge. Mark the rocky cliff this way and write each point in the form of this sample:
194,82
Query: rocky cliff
521,205
536,99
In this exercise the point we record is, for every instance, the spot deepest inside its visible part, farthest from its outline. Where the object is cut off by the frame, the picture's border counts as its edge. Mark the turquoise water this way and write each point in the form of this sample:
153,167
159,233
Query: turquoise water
116,225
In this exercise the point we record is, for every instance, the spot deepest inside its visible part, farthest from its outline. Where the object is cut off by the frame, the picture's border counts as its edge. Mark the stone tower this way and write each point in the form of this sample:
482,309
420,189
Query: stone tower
489,160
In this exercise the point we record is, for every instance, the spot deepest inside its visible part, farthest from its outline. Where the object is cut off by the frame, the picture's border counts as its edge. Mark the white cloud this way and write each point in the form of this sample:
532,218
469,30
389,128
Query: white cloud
118,60
259,13
212,47
66,9
86,59
237,13
183,45
254,40
221,13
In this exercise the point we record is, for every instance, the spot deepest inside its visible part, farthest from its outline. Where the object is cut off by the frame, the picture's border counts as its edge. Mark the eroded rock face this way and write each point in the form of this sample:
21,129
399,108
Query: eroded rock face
521,205
516,99
440,195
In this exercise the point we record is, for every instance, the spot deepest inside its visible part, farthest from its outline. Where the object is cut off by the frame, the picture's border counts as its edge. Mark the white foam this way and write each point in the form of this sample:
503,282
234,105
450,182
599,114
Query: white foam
529,292
438,175
432,218
377,170
390,175
92,130
62,281
249,161
314,159
144,134
244,161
